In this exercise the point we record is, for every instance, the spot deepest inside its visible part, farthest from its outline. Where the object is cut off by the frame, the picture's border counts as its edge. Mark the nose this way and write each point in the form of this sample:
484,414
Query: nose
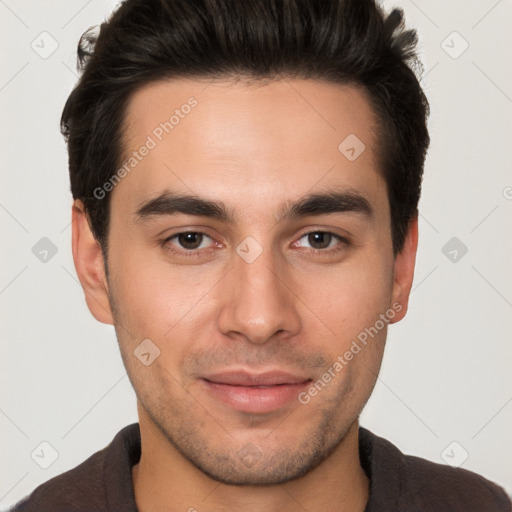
258,302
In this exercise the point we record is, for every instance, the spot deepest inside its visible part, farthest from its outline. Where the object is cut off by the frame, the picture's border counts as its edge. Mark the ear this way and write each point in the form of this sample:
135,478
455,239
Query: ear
89,265
404,270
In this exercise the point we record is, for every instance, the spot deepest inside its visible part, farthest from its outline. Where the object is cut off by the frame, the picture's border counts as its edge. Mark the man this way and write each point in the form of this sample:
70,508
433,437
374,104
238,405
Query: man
246,178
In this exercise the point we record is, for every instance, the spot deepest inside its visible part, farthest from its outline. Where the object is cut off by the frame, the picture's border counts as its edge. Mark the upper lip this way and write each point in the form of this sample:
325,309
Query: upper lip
242,378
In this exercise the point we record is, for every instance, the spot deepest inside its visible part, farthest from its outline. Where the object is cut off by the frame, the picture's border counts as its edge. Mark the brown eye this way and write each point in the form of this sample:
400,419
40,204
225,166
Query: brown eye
320,239
190,240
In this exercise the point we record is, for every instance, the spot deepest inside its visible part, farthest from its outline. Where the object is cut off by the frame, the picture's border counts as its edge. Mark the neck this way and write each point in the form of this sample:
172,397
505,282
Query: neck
164,480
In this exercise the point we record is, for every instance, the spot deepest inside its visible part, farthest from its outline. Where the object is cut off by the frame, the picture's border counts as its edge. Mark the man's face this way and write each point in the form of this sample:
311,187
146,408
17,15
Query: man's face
250,309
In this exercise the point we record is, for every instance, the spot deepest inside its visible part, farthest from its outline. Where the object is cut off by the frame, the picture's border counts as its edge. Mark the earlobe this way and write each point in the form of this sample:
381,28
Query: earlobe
89,265
404,270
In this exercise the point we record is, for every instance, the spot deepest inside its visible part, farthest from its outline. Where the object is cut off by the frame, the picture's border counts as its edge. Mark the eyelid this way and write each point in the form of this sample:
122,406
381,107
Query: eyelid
343,242
334,235
344,236
169,238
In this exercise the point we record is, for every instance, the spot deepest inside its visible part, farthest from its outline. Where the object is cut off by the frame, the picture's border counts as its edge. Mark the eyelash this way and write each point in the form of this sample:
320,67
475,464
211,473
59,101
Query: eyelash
342,245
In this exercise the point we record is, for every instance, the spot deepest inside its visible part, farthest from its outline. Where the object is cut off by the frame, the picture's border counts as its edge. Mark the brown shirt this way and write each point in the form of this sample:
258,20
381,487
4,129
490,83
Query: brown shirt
398,482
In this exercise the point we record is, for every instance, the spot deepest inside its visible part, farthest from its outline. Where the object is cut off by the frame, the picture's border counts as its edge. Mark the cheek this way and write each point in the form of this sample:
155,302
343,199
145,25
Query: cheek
154,299
153,296
350,297
162,308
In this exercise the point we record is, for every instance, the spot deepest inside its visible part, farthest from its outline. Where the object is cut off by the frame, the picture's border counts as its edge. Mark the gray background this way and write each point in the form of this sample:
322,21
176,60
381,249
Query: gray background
445,389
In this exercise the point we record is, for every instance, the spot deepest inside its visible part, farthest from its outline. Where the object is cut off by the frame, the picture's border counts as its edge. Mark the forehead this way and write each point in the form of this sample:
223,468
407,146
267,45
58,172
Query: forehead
248,143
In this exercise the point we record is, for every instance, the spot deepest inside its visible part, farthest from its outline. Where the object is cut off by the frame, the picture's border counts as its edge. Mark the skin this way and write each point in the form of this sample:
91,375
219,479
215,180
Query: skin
256,148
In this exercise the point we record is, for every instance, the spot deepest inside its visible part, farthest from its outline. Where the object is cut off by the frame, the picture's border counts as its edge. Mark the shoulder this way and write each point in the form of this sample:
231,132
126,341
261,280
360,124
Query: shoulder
77,488
449,488
86,486
420,484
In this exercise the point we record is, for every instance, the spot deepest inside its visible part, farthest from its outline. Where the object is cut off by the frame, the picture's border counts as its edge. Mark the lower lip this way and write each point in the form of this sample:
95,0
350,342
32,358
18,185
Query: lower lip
256,399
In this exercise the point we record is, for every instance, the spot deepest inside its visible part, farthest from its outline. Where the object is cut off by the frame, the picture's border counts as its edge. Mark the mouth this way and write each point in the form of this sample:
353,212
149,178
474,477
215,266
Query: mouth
255,392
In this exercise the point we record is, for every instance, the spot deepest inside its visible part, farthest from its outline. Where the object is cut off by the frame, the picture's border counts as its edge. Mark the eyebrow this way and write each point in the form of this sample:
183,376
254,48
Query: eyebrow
169,203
